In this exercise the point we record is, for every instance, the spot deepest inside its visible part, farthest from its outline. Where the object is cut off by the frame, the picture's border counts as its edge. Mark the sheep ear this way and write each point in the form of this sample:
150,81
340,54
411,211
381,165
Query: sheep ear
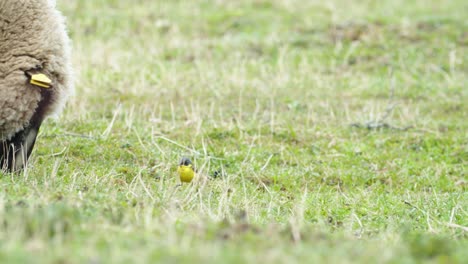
14,153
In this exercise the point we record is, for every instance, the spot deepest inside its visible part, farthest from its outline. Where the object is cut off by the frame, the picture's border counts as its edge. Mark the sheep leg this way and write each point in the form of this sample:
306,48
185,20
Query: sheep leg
14,153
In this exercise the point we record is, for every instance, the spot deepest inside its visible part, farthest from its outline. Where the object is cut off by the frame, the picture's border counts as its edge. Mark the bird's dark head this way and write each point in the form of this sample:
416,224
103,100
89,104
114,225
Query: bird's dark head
185,161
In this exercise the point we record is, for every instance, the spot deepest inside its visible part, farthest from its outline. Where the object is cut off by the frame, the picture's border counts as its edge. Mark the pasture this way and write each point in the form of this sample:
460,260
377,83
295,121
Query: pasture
322,131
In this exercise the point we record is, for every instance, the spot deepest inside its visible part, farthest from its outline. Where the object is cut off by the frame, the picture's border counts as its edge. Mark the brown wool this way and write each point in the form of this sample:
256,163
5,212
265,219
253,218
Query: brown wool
32,38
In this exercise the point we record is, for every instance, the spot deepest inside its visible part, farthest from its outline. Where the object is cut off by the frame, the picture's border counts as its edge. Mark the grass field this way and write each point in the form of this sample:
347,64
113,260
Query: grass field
323,132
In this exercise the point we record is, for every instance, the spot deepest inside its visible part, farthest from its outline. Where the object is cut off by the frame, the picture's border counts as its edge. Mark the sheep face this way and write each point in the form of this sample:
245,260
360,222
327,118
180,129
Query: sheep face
32,40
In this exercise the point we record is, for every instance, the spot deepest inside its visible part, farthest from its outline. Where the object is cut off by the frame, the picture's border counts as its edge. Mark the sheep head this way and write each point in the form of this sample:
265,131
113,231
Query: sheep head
33,41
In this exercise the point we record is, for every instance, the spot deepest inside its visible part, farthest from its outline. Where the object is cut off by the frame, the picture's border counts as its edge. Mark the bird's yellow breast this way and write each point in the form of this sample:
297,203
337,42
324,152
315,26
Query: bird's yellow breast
186,173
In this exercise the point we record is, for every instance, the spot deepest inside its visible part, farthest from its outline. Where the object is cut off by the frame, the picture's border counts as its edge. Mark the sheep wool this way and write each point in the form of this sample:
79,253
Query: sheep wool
33,41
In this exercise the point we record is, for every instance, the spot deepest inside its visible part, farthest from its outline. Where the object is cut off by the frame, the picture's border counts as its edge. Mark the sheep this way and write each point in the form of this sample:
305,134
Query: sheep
35,74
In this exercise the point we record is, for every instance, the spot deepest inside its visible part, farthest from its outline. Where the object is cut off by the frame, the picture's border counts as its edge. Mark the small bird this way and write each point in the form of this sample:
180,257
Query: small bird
186,170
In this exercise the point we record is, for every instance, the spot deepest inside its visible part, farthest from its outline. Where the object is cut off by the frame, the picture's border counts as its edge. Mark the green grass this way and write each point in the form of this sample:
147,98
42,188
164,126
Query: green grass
261,94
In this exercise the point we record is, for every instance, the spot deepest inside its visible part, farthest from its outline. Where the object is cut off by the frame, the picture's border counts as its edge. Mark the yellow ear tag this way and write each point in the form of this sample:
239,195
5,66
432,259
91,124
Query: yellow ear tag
40,80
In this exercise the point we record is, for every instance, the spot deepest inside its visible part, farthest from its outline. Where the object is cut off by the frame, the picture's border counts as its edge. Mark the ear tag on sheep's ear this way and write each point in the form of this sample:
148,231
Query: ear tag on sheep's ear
40,80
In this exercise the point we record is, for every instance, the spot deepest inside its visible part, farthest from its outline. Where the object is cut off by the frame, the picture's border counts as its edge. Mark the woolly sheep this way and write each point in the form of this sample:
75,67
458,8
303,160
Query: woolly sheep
33,40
